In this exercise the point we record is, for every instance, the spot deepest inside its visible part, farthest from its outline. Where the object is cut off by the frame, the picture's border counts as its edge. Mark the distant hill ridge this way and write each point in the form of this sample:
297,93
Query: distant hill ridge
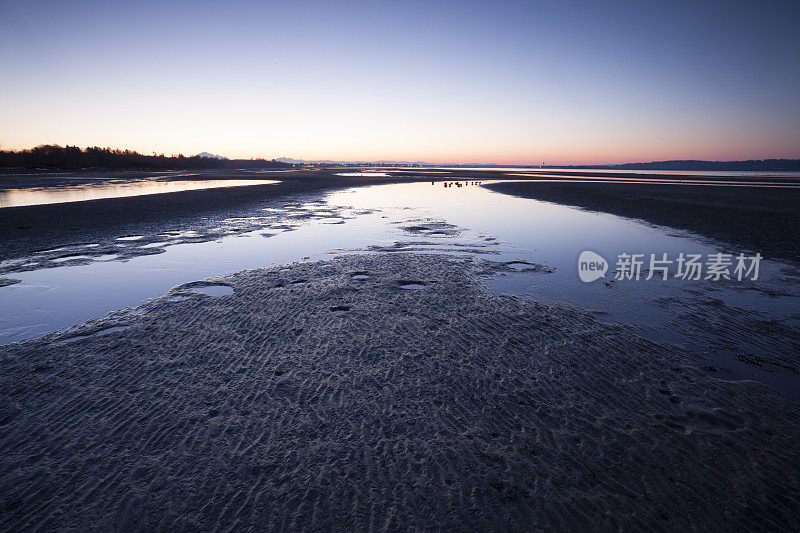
692,164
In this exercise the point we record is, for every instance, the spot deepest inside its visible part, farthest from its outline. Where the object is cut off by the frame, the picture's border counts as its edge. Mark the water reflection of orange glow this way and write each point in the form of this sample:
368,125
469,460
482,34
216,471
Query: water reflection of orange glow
58,195
553,178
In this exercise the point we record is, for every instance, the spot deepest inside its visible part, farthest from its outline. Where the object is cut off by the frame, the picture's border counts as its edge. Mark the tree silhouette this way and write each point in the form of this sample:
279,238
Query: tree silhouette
50,156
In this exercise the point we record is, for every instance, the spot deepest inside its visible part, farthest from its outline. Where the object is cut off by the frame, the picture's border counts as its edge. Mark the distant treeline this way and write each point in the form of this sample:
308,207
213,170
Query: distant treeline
72,157
752,164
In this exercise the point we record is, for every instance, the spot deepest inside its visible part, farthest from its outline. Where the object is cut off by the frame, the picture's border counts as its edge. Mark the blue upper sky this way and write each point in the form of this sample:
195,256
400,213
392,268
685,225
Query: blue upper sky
512,82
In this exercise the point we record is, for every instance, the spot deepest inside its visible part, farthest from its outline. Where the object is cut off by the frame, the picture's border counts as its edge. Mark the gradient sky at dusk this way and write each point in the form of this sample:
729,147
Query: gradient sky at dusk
560,82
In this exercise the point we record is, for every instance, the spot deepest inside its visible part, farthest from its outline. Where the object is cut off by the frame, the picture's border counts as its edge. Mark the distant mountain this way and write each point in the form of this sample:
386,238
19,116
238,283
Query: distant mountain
211,156
686,165
752,164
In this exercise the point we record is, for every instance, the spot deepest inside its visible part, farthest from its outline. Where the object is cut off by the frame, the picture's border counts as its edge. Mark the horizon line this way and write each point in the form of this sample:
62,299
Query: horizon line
410,162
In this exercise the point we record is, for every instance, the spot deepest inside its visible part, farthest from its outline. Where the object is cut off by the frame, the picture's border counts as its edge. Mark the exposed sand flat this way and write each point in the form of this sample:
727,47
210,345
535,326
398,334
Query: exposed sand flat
762,219
329,395
27,229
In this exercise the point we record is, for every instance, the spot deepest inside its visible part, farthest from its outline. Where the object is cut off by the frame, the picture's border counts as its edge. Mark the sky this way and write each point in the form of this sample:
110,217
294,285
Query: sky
492,82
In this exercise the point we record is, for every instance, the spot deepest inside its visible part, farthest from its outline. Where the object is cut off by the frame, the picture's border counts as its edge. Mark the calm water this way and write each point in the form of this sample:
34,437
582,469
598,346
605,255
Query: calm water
748,329
708,173
95,191
728,182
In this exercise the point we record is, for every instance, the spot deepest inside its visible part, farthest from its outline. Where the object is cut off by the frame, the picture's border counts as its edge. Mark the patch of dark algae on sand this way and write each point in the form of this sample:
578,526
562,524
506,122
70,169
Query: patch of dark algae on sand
343,404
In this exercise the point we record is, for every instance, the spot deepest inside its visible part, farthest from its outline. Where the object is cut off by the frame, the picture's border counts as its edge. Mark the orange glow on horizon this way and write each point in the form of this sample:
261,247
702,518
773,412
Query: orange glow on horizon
554,157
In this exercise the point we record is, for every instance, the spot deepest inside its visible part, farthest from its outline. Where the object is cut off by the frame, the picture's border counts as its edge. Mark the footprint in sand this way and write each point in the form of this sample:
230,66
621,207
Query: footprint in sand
411,285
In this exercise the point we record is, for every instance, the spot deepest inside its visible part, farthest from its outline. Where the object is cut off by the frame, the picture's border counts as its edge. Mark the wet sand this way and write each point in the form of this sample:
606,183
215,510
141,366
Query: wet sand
384,391
32,228
760,219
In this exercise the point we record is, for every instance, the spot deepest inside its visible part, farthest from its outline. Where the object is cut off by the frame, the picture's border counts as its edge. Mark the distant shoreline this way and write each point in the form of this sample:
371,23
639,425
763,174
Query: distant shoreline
759,218
74,158
774,165
58,158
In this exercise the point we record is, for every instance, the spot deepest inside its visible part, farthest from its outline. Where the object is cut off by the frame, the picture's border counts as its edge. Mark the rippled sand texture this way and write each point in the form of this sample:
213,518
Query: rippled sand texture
381,391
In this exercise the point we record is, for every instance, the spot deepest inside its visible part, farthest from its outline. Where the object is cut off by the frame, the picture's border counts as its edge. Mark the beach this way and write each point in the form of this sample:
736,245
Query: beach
399,266
390,385
384,391
40,227
757,218
753,217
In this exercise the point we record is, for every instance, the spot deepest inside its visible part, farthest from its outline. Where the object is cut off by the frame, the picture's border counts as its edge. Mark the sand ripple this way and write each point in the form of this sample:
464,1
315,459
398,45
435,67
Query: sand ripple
312,400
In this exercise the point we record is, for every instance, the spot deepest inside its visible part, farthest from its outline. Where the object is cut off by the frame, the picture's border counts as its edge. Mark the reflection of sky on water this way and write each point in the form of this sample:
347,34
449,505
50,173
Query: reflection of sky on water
705,173
95,191
733,317
554,178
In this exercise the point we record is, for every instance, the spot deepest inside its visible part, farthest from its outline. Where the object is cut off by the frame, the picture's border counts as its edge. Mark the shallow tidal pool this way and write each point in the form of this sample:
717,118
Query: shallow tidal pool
745,329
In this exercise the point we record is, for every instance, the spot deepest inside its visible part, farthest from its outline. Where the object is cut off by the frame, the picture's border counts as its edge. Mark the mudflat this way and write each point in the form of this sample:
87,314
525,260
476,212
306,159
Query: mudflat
32,228
761,219
385,391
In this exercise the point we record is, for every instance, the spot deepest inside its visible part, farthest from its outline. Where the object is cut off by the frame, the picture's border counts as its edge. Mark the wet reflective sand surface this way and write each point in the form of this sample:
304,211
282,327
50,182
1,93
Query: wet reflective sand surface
747,329
434,339
96,191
